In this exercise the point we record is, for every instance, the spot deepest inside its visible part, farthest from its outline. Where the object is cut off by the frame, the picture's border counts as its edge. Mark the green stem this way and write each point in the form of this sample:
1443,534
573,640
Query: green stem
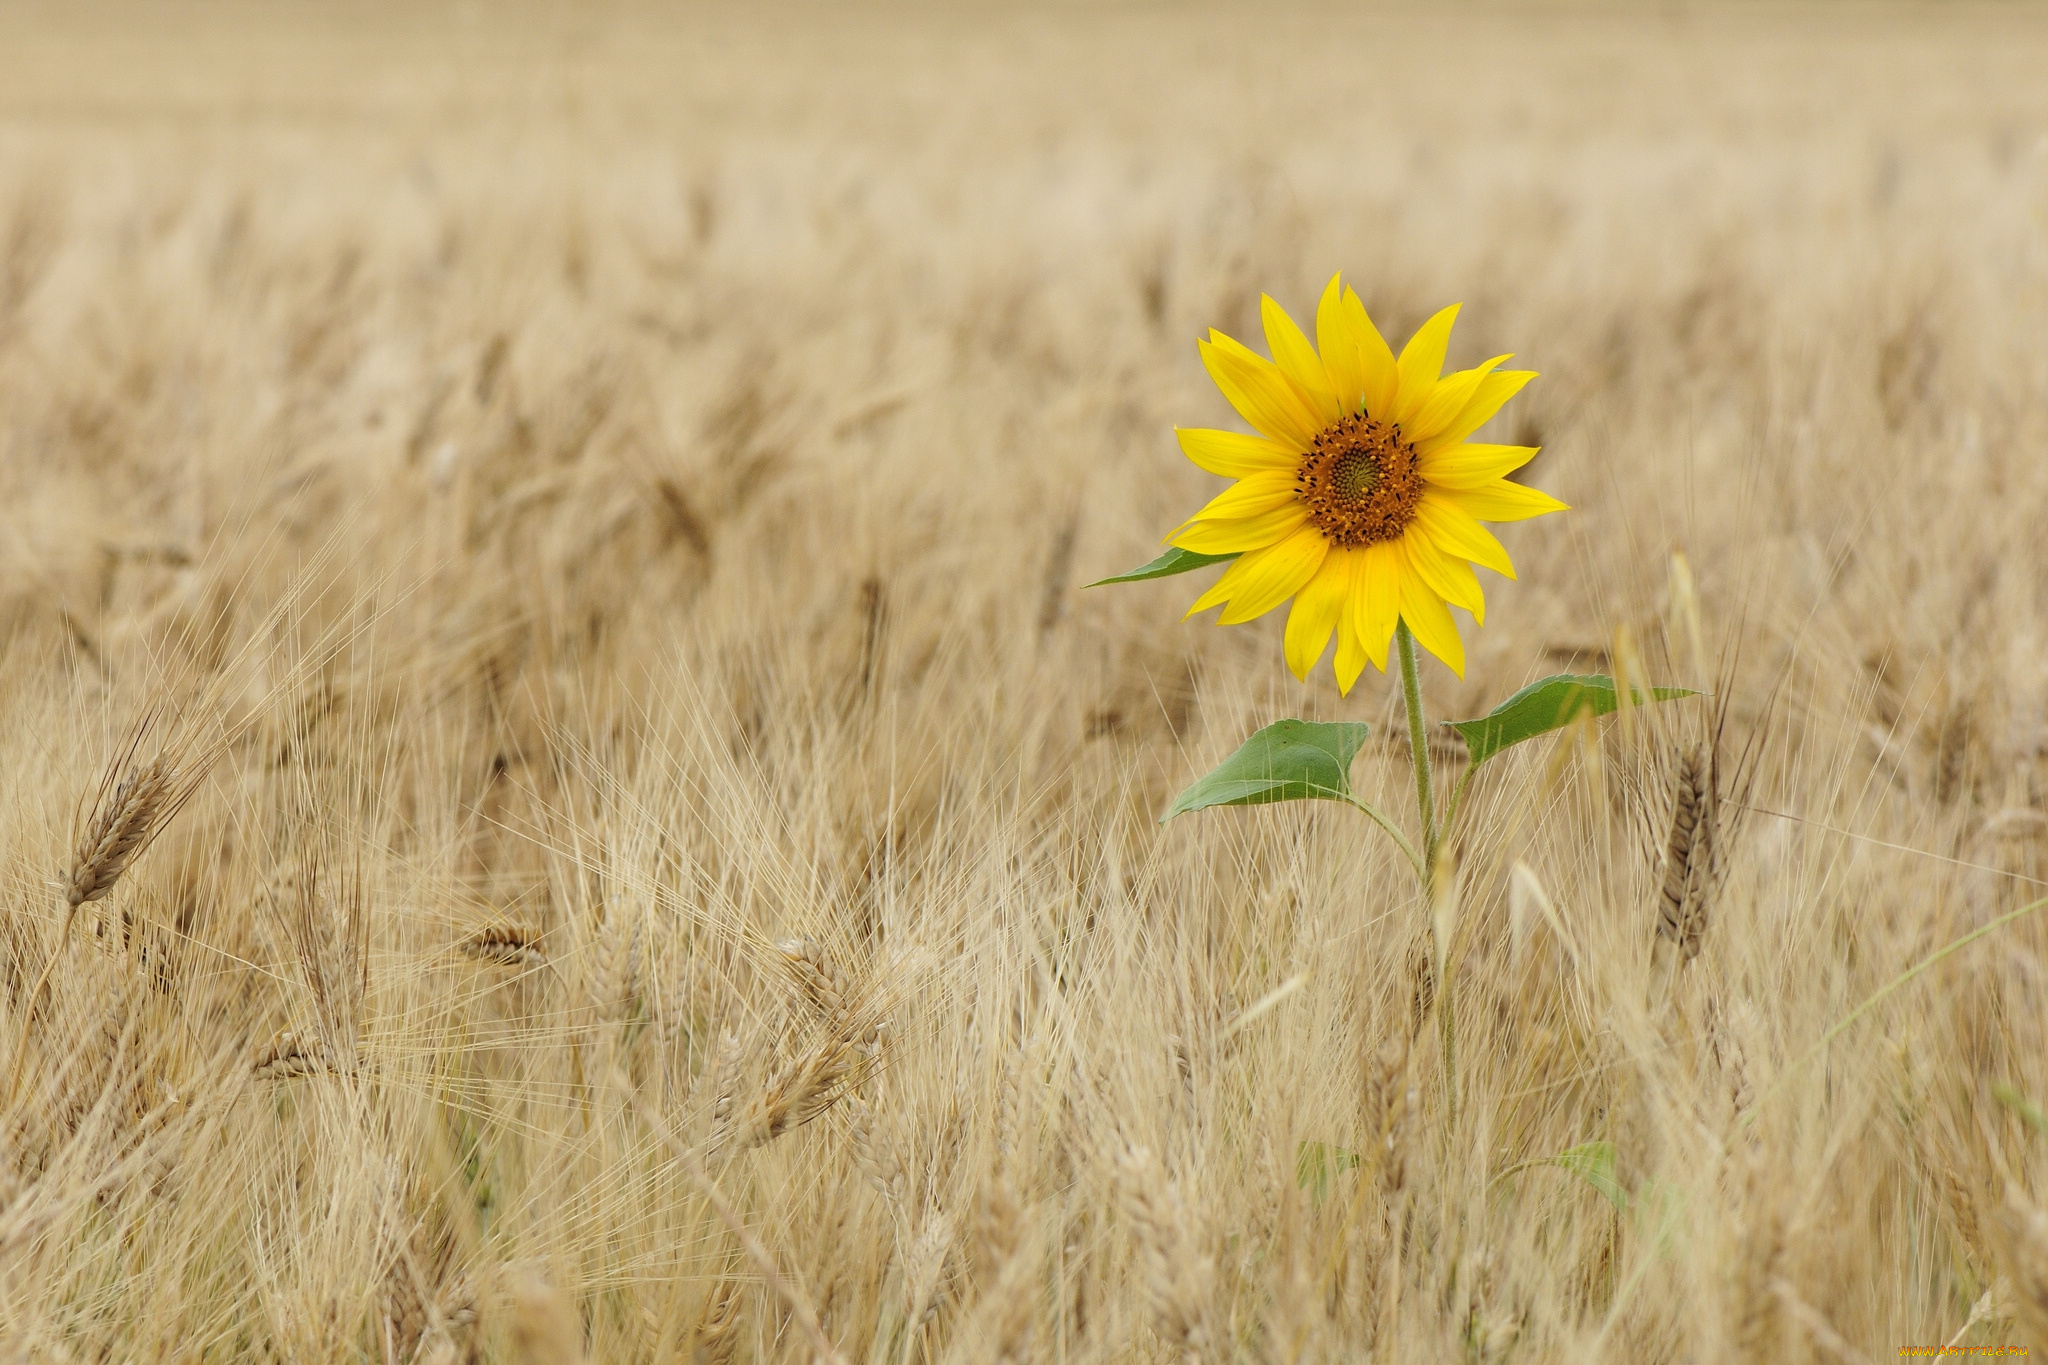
1418,747
1425,800
1458,799
1400,839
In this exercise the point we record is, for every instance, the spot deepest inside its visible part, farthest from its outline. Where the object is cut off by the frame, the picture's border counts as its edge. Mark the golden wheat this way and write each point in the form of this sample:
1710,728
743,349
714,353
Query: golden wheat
639,844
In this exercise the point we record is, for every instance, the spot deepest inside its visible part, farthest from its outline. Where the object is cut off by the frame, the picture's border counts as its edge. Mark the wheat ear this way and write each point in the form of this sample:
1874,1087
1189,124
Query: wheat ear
1178,1279
792,1297
121,827
1689,864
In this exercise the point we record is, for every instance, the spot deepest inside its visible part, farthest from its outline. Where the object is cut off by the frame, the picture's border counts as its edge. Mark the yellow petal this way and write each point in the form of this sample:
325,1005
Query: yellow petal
1250,496
1316,609
1502,501
1238,537
1448,576
1379,375
1422,360
1234,454
1216,596
1376,598
1338,341
1430,620
1298,361
1473,466
1453,392
1456,531
1493,391
1350,661
1261,393
1263,579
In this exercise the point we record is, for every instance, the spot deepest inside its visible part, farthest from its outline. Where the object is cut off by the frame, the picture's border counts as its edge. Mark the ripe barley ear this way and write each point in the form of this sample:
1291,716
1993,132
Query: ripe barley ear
1689,862
121,827
2022,1244
123,821
1175,1277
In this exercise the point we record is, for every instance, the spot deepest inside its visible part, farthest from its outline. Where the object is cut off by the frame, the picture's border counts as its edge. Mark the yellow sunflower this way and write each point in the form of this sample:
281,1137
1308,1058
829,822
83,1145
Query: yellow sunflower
1361,499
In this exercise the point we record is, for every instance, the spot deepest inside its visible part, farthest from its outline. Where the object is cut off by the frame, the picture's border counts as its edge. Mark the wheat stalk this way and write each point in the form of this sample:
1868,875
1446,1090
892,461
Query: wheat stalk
123,822
1176,1278
1002,1318
1758,1256
718,1328
693,1167
817,1078
545,1328
1817,1325
2022,1229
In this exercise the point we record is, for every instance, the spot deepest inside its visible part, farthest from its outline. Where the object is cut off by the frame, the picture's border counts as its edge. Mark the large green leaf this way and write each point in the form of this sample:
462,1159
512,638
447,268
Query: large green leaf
1175,560
1550,704
1289,760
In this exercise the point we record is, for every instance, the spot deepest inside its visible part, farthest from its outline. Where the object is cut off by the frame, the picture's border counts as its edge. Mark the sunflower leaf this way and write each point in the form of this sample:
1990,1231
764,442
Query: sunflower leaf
1550,704
1175,560
1289,760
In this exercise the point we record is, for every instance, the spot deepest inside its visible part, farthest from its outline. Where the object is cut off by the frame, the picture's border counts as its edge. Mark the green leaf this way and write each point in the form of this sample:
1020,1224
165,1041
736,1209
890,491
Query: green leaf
1657,1209
1289,760
1550,704
2015,1099
1593,1162
1175,560
1316,1162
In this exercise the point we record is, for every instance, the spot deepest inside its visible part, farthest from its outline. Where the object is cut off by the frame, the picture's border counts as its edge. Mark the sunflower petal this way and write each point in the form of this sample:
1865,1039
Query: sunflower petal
1502,501
1378,371
1232,453
1447,576
1453,392
1430,620
1494,390
1316,609
1376,598
1298,360
1350,660
1260,391
1422,360
1239,537
1473,466
1250,496
1456,531
1337,339
1263,579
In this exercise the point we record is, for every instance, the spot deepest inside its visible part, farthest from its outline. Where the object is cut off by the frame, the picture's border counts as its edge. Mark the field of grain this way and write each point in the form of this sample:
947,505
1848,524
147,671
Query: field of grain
540,560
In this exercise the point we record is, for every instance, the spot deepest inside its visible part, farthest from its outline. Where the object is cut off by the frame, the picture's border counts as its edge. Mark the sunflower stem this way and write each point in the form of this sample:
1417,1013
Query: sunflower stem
1418,748
1425,800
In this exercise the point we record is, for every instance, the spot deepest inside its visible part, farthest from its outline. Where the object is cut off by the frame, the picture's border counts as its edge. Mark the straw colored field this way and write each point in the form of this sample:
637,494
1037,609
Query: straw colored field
591,508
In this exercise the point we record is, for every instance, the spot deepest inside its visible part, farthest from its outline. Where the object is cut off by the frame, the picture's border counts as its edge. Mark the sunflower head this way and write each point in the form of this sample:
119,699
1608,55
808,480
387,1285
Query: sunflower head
1360,498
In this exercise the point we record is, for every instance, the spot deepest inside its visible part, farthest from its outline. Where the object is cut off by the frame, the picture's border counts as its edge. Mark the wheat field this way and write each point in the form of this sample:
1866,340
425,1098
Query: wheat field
561,796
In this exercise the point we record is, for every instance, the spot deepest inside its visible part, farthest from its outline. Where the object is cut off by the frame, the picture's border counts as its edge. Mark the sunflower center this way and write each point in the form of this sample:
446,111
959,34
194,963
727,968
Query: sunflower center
1359,482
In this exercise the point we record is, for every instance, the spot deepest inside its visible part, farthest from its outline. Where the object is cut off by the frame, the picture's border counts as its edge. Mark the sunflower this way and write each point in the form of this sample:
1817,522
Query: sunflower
1360,498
